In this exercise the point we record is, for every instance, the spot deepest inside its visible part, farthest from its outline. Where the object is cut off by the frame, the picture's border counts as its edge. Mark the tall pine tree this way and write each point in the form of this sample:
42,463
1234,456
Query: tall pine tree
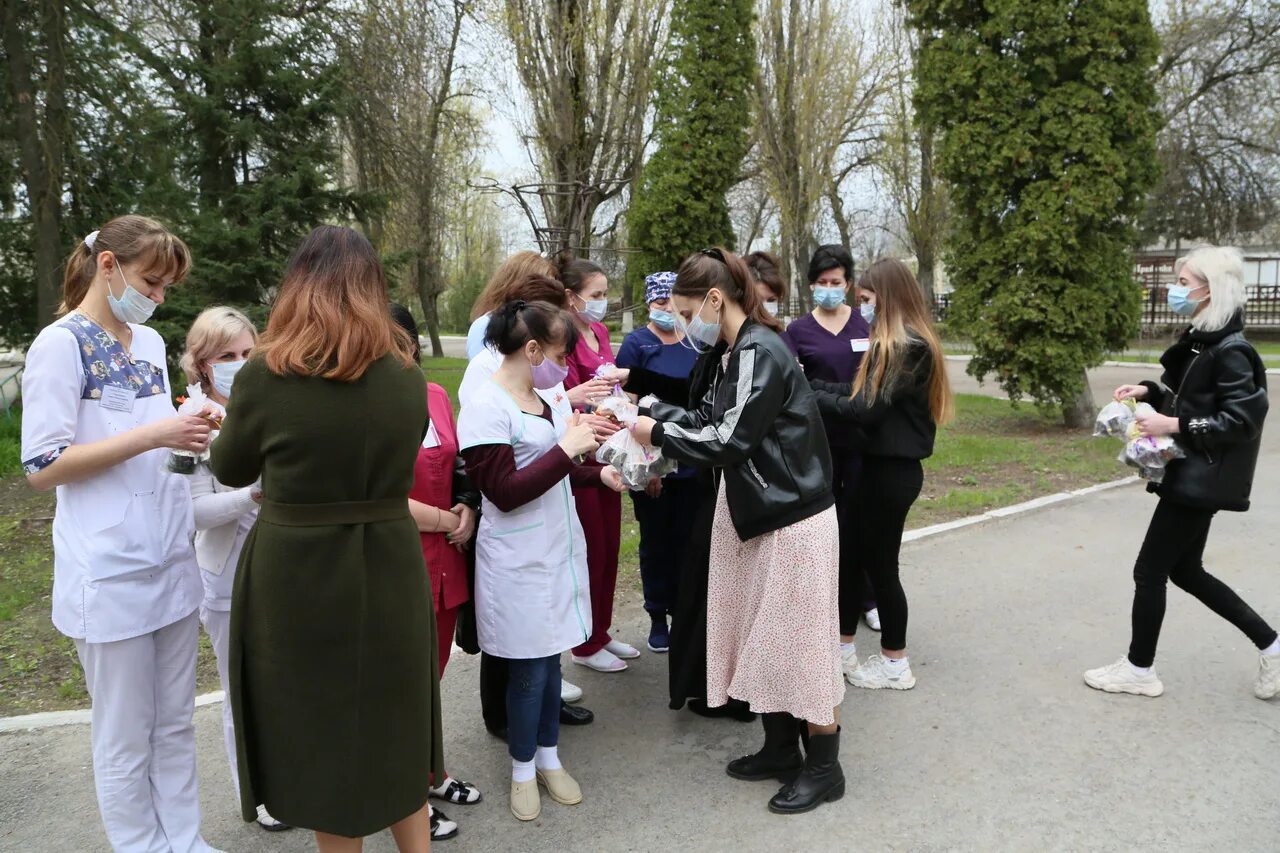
1046,110
703,112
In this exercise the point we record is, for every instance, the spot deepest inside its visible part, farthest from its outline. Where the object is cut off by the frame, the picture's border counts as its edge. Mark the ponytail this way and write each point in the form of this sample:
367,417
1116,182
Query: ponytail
725,271
129,238
574,272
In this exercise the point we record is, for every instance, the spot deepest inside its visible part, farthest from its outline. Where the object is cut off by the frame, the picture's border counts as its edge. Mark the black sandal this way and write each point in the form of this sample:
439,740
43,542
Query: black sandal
442,829
458,793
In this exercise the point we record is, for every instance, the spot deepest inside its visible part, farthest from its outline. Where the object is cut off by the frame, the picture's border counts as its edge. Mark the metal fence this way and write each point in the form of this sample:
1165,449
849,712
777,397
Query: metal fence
1262,285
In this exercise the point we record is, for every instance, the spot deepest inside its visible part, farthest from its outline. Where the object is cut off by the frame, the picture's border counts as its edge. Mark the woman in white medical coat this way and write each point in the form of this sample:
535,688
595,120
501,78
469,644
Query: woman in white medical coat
98,423
532,599
218,345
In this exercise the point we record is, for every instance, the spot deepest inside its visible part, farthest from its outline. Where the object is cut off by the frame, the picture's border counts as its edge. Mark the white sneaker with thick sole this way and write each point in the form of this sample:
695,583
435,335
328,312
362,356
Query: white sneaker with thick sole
1268,683
621,650
570,692
878,674
872,618
848,660
601,661
1119,677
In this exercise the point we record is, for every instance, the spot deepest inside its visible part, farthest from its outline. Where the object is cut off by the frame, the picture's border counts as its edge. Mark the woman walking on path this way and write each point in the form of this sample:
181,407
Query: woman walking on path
772,613
218,345
333,637
98,422
830,342
892,410
1212,397
532,593
665,510
600,511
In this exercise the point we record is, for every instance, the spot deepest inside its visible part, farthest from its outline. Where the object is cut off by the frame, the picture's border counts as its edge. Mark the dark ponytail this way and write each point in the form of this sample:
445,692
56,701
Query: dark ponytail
404,319
574,272
516,323
726,272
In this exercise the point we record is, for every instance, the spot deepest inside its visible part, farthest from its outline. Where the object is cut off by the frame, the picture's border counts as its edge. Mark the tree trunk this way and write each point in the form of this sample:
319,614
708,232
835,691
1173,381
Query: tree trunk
428,296
41,142
927,236
1079,413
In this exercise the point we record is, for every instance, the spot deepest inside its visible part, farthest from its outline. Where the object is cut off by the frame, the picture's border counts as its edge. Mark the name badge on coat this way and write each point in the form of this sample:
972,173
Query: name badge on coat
432,438
117,398
860,344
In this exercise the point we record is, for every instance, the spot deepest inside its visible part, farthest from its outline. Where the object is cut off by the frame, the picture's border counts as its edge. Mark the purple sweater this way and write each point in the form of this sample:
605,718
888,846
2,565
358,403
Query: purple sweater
828,357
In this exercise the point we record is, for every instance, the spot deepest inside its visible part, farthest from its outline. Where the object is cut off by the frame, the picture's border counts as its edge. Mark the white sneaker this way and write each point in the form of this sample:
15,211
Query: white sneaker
1119,677
619,649
848,660
877,673
872,618
1268,683
570,692
601,661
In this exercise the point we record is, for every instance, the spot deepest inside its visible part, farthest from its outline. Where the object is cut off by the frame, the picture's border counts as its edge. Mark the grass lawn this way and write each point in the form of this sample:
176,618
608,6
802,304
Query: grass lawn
993,455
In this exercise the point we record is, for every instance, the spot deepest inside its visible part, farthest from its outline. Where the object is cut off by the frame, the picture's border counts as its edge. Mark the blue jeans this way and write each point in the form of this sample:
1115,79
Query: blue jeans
533,705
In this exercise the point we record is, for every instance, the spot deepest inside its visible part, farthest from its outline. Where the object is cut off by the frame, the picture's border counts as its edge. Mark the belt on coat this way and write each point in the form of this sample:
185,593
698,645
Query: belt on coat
327,515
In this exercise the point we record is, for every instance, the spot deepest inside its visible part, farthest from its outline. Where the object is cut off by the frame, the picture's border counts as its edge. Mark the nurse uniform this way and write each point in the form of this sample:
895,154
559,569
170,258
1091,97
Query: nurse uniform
125,582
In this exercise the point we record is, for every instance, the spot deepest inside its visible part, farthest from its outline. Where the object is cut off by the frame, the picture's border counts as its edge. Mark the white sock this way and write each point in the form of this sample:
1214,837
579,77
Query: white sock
1140,670
1273,649
522,771
896,662
444,784
547,758
848,648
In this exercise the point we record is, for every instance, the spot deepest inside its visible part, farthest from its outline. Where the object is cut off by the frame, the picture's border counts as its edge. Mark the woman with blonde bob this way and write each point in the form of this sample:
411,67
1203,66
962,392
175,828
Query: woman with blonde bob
1212,398
899,396
333,669
218,345
498,290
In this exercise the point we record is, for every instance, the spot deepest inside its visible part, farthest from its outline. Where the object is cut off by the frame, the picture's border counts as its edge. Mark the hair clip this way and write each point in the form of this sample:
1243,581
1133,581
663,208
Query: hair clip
714,253
89,240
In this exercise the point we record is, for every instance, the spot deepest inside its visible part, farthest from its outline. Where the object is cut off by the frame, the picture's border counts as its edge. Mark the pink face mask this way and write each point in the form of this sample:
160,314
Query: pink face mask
548,374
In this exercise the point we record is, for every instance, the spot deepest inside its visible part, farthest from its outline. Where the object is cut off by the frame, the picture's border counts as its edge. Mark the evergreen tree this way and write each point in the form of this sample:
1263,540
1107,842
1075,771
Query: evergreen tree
1047,121
703,111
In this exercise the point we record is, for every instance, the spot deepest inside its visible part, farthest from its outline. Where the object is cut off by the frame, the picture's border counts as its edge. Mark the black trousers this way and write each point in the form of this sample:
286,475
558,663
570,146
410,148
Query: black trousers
856,595
666,523
493,691
887,489
1174,550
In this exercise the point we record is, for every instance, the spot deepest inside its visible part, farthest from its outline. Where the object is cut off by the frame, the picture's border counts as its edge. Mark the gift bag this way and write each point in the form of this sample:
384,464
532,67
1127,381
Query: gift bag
1149,454
636,462
196,404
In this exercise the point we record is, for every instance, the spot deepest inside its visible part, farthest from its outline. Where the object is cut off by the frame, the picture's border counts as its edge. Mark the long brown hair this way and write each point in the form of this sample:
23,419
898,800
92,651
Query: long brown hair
513,270
725,271
330,317
768,271
901,313
130,238
539,288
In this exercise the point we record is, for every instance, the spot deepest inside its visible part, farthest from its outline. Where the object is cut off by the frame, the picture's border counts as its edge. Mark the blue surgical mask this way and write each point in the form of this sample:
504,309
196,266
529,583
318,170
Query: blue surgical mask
828,297
1180,301
223,373
664,320
132,306
594,310
699,333
868,312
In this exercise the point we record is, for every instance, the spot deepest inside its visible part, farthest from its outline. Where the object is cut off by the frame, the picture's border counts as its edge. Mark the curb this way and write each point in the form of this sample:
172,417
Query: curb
1128,365
82,716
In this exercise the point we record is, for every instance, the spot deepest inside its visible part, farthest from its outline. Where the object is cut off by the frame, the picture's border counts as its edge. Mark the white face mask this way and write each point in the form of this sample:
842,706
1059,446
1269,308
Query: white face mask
594,309
772,307
222,374
132,306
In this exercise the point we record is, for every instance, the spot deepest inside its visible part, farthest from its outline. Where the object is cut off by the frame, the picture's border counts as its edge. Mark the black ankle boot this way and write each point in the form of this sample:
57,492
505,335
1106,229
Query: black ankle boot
779,758
821,780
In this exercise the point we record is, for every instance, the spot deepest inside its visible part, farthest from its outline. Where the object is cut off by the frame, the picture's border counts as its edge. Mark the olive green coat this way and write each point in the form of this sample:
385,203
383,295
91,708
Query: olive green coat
334,682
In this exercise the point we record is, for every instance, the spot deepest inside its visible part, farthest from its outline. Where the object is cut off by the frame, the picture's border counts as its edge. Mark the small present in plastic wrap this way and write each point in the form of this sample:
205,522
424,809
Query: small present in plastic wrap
196,404
1150,454
636,462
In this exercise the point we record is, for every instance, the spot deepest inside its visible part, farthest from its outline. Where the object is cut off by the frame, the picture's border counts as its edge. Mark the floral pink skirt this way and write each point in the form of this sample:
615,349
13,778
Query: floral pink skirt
773,617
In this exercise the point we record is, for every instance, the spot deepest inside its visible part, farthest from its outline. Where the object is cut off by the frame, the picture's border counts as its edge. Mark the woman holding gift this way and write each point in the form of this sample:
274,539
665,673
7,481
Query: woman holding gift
665,510
1212,398
98,423
892,409
218,345
772,613
333,639
830,342
600,511
532,597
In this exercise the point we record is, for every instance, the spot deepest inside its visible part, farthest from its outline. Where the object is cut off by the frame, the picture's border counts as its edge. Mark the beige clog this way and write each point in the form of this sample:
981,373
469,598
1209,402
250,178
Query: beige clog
560,786
526,804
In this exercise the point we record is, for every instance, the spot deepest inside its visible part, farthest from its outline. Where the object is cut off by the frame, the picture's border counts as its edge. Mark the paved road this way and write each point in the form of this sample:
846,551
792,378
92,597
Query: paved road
1000,747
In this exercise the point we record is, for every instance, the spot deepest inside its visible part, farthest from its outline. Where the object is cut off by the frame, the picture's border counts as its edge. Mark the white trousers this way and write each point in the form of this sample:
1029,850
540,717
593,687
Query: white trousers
217,624
144,740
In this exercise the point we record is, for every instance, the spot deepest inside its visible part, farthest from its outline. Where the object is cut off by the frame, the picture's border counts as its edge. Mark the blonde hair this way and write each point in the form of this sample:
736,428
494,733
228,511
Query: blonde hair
1223,268
210,334
900,313
513,271
130,238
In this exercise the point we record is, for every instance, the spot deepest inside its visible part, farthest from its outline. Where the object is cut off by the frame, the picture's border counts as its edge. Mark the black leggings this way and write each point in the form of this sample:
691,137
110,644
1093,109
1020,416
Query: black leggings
887,489
856,596
1174,550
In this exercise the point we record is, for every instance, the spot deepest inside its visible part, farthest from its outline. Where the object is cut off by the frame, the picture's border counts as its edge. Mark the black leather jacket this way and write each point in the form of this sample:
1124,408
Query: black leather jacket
1215,384
759,423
